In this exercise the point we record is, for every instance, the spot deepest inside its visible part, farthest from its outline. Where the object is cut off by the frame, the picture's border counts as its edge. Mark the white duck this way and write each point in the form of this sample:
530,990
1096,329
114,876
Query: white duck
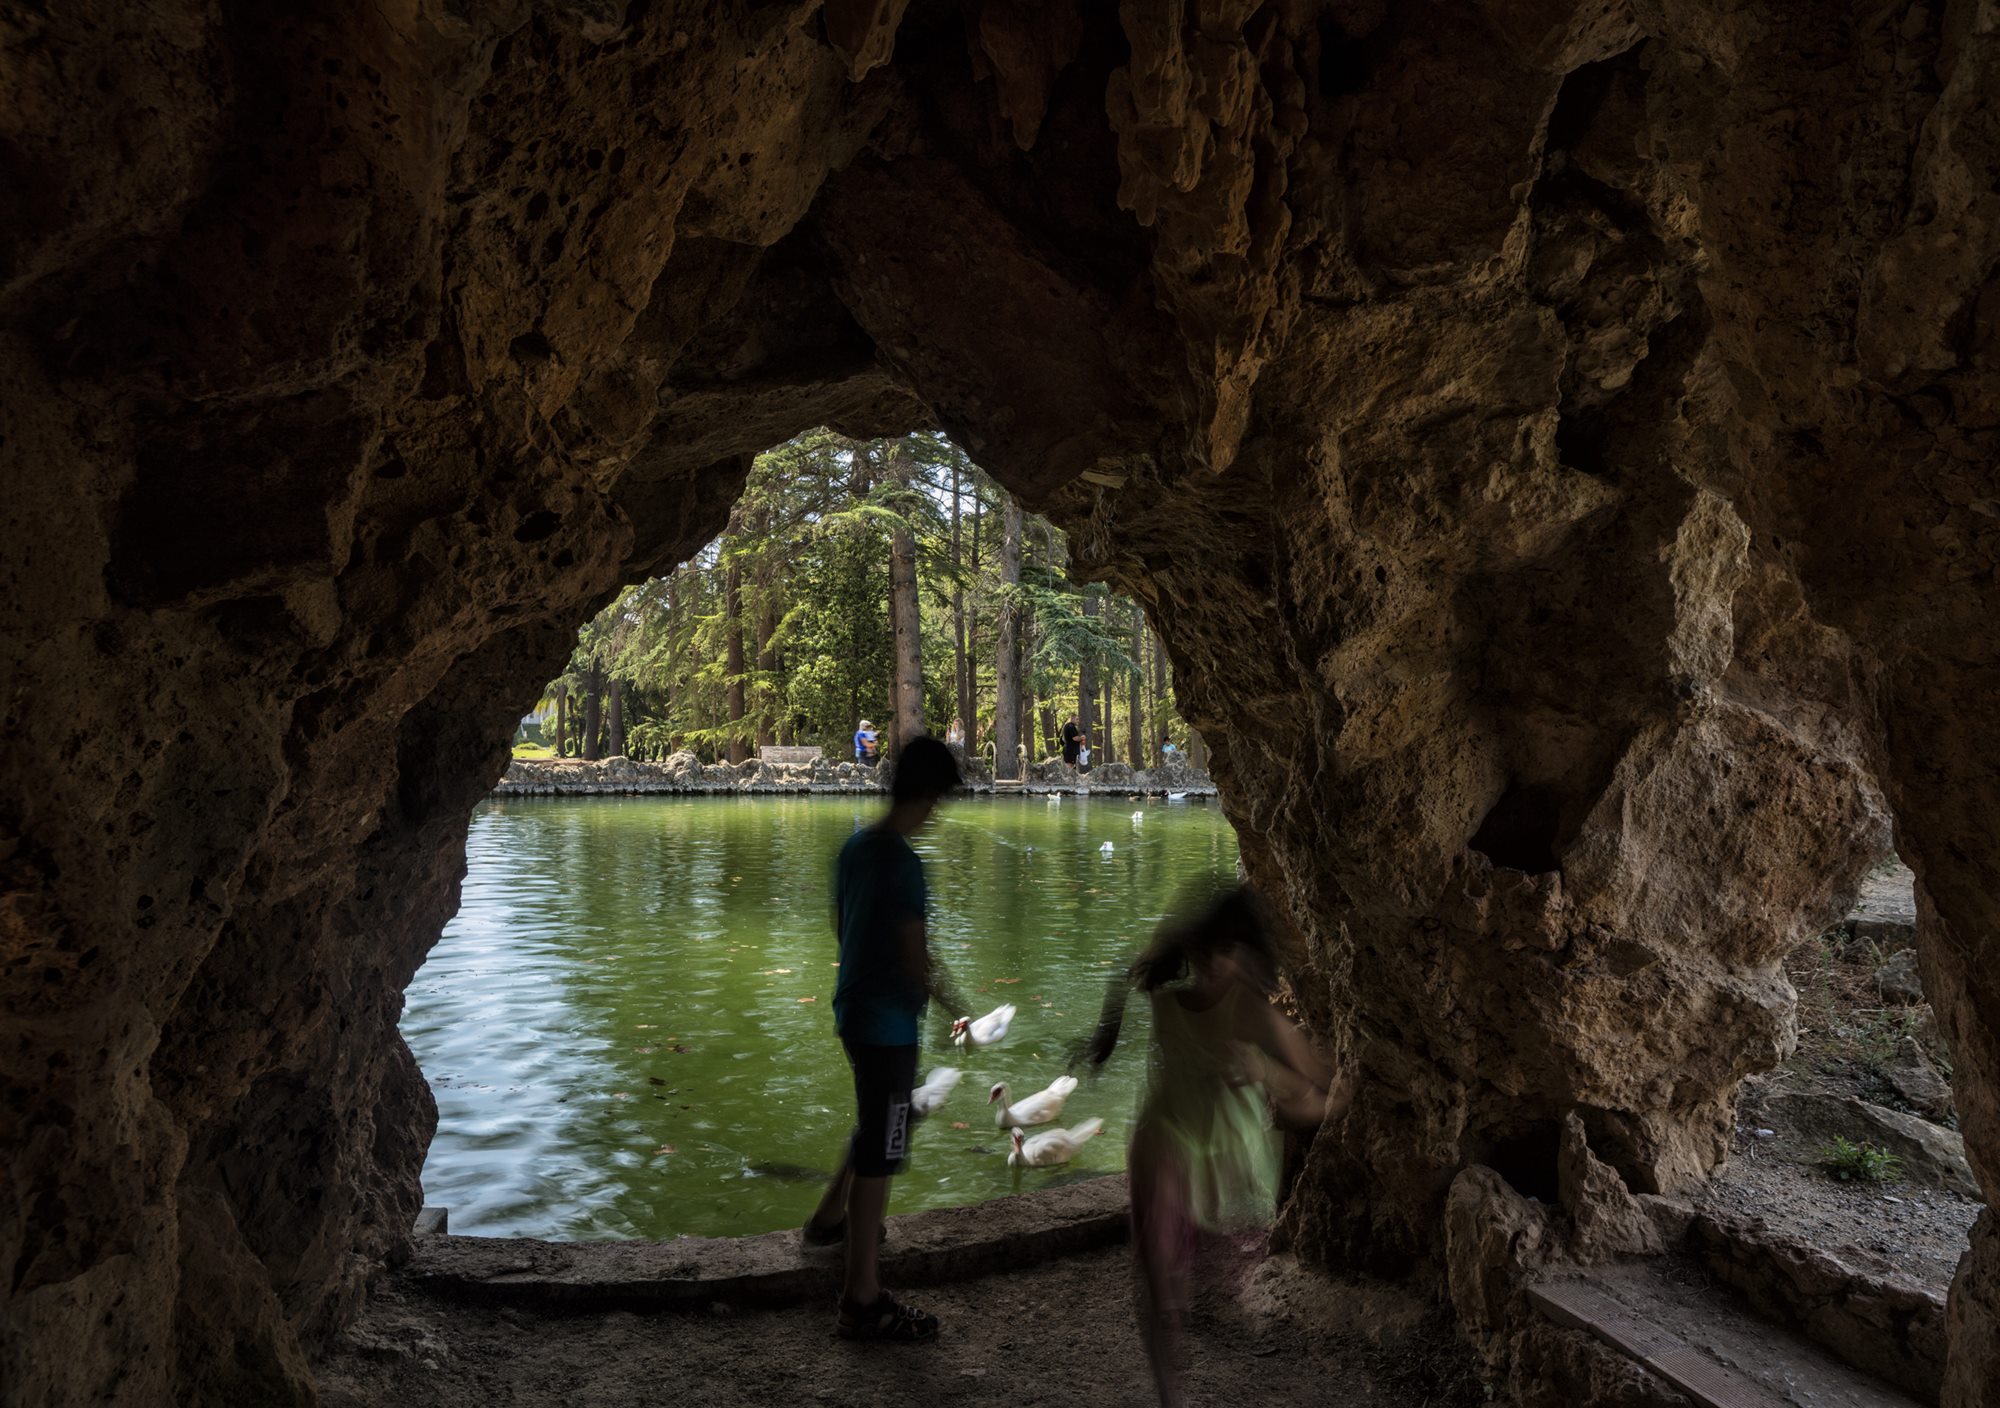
1138,817
1040,1108
1107,848
928,1096
1052,1146
984,1031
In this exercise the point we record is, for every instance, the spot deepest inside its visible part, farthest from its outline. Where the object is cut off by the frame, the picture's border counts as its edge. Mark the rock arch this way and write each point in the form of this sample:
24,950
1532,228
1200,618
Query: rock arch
1555,441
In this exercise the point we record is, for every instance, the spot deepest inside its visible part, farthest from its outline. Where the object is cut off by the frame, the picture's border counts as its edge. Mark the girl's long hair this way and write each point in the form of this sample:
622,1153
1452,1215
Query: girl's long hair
1230,920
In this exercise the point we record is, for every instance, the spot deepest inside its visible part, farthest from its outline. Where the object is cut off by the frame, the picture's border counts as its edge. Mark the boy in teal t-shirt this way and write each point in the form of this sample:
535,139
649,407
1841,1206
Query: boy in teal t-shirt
887,976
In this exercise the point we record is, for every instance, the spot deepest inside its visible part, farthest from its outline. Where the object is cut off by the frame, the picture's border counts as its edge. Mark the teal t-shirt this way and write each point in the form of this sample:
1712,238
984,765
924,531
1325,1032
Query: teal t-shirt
878,886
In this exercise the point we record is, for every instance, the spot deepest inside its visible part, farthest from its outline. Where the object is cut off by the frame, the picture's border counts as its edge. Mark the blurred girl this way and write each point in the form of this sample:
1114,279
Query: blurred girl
1204,1156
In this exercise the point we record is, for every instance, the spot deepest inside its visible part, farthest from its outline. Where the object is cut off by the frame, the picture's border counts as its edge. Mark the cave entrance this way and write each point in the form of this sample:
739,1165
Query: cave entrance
626,1024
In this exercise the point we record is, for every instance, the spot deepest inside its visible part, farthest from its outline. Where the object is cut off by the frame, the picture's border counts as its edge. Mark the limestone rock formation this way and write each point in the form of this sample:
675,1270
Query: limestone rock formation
1897,979
1555,441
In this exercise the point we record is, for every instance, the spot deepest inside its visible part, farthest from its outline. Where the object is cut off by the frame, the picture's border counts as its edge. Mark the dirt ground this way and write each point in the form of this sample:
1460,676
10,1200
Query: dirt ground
1060,1333
1849,1038
1899,1227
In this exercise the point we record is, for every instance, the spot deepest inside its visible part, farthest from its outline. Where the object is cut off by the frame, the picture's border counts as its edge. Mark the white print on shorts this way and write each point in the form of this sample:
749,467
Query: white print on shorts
898,1142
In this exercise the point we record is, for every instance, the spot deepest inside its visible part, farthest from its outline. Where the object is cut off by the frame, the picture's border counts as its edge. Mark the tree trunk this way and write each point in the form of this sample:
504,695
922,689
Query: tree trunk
1160,695
1007,658
972,623
562,723
961,677
671,719
1136,719
1049,747
593,714
1086,686
903,615
1026,716
1110,711
617,724
733,664
767,667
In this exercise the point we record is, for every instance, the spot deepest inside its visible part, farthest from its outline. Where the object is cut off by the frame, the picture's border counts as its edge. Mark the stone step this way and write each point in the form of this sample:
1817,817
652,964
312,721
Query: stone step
774,1269
1699,1340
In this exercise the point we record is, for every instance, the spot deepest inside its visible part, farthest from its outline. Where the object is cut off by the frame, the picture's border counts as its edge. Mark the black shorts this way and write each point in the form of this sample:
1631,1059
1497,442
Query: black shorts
883,1079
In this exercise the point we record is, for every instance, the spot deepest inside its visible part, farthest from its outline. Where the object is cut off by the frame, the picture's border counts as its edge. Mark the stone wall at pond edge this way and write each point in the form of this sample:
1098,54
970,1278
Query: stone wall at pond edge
685,773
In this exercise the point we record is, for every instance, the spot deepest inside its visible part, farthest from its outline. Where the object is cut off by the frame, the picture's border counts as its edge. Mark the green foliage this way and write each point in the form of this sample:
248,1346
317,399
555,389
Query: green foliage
1859,1163
808,545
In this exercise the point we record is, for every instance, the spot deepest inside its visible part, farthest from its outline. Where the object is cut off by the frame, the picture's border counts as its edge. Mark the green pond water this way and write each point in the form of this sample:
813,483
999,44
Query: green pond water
628,1025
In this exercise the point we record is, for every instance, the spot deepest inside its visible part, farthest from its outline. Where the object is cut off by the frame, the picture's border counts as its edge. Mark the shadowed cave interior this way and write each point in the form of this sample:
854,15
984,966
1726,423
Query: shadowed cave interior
1555,443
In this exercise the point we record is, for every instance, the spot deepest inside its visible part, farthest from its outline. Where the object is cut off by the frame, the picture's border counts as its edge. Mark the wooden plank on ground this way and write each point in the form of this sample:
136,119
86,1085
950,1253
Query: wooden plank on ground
1581,1303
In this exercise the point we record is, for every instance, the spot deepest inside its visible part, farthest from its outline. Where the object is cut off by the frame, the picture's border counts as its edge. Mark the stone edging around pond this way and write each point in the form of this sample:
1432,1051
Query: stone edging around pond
775,1269
684,773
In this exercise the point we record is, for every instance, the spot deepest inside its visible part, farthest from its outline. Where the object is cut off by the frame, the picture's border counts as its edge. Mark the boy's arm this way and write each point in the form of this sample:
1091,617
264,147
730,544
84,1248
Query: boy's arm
928,970
944,991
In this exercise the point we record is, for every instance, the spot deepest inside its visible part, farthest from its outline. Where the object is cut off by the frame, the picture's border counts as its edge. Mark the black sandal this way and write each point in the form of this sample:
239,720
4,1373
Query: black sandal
887,1319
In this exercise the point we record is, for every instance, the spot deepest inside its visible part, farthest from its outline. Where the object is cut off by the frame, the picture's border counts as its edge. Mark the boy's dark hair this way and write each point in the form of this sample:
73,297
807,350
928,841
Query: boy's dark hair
925,771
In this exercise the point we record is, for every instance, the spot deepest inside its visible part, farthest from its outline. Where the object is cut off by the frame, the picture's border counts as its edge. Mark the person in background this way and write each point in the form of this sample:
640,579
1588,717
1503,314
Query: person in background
1204,1157
887,977
867,746
1072,741
954,733
1168,753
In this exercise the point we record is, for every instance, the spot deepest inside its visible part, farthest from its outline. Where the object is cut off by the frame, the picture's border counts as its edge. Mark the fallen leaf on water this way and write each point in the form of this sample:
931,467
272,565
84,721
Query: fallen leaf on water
645,1050
808,999
781,970
960,1124
1006,980
666,1149
621,1095
644,1027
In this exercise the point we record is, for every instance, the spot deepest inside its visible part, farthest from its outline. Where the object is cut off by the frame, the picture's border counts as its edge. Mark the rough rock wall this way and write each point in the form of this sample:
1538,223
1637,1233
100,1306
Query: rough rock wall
1555,441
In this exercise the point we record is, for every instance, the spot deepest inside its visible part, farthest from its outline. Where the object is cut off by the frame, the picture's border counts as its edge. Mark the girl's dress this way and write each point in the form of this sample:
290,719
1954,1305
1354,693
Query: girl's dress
1204,1111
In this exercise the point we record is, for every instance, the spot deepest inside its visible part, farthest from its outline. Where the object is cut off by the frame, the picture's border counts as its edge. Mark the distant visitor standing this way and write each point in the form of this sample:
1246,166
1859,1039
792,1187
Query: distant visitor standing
867,745
954,733
1168,753
887,975
1072,742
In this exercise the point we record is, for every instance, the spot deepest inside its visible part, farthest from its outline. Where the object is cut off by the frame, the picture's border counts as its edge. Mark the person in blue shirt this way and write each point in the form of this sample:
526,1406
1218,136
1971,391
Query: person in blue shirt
887,977
867,745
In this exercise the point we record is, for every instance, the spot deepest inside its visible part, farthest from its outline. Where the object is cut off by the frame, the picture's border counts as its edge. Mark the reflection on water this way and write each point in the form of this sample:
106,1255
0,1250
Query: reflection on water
628,1025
